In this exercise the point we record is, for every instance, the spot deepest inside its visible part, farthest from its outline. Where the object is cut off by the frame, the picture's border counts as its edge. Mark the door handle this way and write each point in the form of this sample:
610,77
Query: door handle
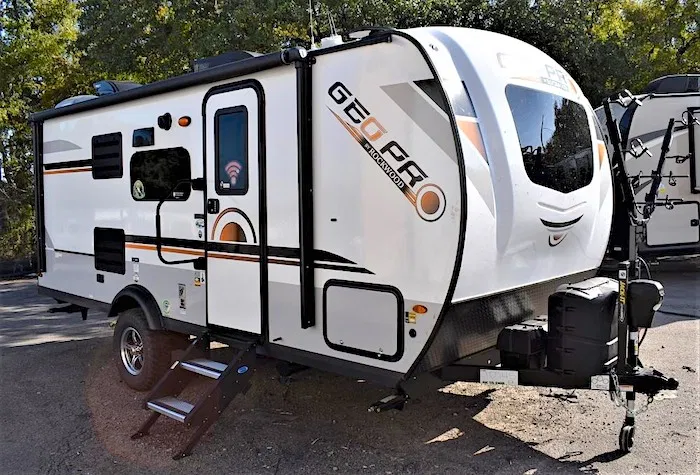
212,206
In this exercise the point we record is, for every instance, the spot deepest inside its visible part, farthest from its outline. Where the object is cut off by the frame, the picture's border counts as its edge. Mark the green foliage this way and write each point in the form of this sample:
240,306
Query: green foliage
660,36
52,49
38,67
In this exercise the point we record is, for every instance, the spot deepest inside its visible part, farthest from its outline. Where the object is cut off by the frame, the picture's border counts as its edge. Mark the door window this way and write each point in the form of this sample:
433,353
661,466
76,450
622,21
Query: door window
231,136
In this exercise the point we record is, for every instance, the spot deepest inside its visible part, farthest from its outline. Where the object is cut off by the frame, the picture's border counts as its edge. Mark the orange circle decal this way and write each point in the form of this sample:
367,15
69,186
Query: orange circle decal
430,202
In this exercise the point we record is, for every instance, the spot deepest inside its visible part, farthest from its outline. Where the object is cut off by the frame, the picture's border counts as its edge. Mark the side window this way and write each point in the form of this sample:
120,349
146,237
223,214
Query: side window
107,156
155,172
231,135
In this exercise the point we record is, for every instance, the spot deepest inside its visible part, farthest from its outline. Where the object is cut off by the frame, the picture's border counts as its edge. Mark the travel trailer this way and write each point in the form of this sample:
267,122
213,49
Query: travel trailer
618,110
392,208
674,229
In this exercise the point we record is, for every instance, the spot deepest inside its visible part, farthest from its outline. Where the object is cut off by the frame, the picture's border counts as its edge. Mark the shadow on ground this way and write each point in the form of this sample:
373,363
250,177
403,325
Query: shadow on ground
25,318
65,411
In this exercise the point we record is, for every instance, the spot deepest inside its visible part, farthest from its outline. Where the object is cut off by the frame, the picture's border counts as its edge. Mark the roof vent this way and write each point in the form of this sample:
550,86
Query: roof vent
226,58
107,87
75,100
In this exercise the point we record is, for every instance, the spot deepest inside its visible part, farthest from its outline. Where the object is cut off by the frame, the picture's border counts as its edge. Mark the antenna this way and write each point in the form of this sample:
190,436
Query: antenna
331,23
334,38
311,26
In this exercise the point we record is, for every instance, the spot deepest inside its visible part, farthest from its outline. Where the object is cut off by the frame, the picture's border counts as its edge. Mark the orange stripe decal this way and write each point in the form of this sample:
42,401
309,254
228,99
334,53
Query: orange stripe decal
602,152
233,257
67,170
216,255
174,250
472,132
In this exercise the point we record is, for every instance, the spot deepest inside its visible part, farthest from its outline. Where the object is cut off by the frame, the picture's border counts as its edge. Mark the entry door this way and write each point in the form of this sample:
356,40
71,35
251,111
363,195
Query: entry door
232,207
680,225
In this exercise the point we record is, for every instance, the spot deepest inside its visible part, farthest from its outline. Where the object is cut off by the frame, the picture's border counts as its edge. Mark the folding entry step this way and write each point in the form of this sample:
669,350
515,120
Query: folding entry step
229,380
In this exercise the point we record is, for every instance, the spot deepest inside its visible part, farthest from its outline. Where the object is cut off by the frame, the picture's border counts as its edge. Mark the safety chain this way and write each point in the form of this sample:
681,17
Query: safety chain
616,397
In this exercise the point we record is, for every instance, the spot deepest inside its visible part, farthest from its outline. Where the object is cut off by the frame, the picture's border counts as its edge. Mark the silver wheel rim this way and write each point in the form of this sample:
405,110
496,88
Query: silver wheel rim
131,350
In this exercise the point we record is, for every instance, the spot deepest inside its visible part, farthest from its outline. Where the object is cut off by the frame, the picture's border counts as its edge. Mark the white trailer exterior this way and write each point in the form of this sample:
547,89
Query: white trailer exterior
674,228
396,200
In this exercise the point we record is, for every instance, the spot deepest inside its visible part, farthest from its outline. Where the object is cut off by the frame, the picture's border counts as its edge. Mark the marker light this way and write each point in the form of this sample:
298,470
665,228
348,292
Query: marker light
184,121
420,308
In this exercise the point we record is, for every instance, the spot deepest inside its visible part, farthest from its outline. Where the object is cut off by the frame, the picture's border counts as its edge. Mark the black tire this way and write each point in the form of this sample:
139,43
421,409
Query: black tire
626,439
142,355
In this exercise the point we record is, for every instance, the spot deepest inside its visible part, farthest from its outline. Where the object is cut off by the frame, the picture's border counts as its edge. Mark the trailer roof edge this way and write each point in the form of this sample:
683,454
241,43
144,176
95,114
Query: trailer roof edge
218,73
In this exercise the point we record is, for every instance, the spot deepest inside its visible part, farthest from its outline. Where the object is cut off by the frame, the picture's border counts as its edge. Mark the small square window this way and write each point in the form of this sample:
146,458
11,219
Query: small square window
231,132
143,137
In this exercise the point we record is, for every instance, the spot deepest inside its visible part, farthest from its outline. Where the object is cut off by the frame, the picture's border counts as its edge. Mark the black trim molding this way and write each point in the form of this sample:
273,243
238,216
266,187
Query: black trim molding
75,252
323,259
693,139
306,197
68,164
38,146
552,224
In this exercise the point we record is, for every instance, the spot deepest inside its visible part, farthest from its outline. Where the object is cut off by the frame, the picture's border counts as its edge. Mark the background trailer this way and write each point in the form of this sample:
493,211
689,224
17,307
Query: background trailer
674,229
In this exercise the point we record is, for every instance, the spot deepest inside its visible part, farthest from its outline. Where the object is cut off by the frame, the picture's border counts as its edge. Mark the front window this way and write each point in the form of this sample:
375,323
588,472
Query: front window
555,138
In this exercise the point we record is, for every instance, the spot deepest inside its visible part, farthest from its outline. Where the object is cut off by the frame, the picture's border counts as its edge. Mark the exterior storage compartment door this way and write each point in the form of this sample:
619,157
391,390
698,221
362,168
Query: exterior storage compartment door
679,225
363,319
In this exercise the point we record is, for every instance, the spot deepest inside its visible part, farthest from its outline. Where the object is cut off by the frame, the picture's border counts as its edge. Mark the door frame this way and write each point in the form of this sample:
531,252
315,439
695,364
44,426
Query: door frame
694,161
257,87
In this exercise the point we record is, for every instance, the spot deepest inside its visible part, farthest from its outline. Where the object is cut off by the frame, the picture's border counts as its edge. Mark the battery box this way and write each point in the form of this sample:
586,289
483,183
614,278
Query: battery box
582,334
523,346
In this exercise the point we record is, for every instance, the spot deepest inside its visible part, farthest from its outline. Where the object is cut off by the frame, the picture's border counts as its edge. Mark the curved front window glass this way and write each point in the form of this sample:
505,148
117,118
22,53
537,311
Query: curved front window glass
555,138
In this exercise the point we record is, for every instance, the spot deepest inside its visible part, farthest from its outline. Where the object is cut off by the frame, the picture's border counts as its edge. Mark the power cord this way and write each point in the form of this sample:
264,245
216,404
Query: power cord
646,266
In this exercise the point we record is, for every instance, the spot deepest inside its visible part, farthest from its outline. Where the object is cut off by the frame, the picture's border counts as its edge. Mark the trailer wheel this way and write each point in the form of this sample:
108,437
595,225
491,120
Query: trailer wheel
142,354
626,439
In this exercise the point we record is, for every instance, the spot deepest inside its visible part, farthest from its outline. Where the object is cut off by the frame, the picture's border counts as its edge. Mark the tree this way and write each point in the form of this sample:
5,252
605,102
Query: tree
53,49
662,37
38,68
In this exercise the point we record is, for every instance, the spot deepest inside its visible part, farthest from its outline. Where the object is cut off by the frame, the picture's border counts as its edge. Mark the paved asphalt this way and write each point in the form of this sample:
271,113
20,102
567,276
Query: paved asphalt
63,410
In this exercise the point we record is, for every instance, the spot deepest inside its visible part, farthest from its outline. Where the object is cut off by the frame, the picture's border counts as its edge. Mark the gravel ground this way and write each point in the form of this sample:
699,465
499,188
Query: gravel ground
64,410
